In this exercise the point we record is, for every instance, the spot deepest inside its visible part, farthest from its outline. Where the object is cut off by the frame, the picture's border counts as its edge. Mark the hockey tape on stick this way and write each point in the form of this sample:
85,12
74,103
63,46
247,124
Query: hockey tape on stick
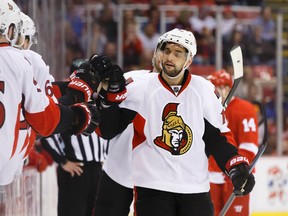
261,150
237,61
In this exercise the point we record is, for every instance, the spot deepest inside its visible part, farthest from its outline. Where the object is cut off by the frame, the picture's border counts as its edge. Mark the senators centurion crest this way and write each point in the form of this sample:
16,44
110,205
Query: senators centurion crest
176,135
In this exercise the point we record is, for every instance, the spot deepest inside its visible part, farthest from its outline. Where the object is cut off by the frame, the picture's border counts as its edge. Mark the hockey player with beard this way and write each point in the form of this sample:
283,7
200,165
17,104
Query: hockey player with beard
178,123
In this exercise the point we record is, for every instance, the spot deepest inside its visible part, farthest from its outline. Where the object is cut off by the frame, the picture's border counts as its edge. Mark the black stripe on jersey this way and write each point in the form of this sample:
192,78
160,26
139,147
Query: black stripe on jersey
99,148
57,142
57,155
68,149
92,147
105,150
82,149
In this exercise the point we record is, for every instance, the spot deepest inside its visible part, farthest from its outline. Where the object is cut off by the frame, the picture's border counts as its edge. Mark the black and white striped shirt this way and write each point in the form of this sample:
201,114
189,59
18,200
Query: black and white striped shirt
76,148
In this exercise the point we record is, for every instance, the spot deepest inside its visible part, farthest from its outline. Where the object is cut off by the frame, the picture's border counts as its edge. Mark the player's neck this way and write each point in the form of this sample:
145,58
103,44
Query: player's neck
173,81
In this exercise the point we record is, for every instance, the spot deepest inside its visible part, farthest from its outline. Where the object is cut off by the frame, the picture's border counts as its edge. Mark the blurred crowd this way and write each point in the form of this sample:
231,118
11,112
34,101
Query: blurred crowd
141,30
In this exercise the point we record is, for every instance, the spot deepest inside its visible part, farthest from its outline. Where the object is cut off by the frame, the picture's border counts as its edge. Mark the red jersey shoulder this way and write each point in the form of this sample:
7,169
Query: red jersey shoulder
241,106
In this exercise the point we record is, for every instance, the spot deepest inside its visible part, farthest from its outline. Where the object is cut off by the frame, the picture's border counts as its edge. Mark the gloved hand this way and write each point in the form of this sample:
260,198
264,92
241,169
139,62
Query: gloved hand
47,156
95,119
87,120
103,65
83,82
37,160
243,182
116,91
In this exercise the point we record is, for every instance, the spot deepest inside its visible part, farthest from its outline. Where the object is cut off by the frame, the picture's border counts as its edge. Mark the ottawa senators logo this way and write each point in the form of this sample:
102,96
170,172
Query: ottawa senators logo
176,135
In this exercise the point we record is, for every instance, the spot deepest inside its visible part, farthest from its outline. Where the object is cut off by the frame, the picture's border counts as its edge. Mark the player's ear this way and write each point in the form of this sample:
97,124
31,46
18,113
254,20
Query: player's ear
189,62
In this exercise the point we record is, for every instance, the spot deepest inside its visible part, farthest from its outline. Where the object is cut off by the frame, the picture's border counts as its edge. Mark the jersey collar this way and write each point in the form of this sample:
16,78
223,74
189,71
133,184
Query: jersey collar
186,81
4,44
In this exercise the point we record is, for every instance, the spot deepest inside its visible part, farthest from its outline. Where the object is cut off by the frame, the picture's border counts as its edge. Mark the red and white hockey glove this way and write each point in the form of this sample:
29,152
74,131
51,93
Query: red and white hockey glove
116,92
37,160
87,121
83,82
238,170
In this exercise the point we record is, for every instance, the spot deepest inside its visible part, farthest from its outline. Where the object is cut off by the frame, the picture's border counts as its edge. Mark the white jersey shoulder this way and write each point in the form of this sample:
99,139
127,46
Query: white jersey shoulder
41,72
136,83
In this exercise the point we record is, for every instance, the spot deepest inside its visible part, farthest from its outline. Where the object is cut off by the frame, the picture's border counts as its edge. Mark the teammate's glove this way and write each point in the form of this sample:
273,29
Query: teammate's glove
238,168
87,119
83,82
37,160
103,65
116,92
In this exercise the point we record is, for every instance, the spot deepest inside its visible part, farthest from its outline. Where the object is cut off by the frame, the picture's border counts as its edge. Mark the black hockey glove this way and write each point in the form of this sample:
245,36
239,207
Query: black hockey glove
116,92
103,65
243,182
87,119
83,82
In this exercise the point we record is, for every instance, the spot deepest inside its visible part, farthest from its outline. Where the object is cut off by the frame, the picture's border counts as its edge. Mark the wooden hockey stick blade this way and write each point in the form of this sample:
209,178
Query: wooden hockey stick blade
261,150
237,62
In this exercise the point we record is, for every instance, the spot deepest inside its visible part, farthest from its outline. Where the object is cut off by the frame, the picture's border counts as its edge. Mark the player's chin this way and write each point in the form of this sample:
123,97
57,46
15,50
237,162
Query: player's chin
172,73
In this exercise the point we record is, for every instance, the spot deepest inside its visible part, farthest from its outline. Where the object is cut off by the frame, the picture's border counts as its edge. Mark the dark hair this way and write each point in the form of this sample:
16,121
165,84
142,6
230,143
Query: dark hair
76,64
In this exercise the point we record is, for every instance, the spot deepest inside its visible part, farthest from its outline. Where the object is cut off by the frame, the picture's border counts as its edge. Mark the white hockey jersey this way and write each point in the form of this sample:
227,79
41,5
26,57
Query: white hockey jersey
118,164
169,152
18,90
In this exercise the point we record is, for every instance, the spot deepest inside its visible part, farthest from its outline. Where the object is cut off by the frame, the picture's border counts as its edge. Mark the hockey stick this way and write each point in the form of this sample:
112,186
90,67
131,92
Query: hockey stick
237,61
261,150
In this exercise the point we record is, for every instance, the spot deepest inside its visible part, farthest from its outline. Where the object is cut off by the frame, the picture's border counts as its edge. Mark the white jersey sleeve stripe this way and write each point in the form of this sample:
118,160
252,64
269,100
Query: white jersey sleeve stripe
249,147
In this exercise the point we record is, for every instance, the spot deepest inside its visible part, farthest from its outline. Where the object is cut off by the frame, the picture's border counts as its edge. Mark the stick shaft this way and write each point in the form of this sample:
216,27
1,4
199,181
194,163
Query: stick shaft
261,150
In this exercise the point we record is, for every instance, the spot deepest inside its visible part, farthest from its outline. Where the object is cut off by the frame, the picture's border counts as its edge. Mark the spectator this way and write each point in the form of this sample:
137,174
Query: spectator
237,38
154,16
99,39
132,47
110,50
262,50
265,20
182,21
206,48
203,20
228,22
149,37
107,22
74,19
128,17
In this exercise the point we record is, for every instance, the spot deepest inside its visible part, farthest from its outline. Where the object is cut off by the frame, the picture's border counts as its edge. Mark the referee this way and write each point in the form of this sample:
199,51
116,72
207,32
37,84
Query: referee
80,164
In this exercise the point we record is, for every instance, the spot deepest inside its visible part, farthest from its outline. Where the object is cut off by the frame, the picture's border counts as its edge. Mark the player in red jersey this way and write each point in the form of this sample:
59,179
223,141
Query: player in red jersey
242,121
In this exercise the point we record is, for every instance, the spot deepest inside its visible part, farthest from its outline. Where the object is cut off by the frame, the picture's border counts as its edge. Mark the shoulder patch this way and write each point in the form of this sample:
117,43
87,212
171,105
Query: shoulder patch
128,81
